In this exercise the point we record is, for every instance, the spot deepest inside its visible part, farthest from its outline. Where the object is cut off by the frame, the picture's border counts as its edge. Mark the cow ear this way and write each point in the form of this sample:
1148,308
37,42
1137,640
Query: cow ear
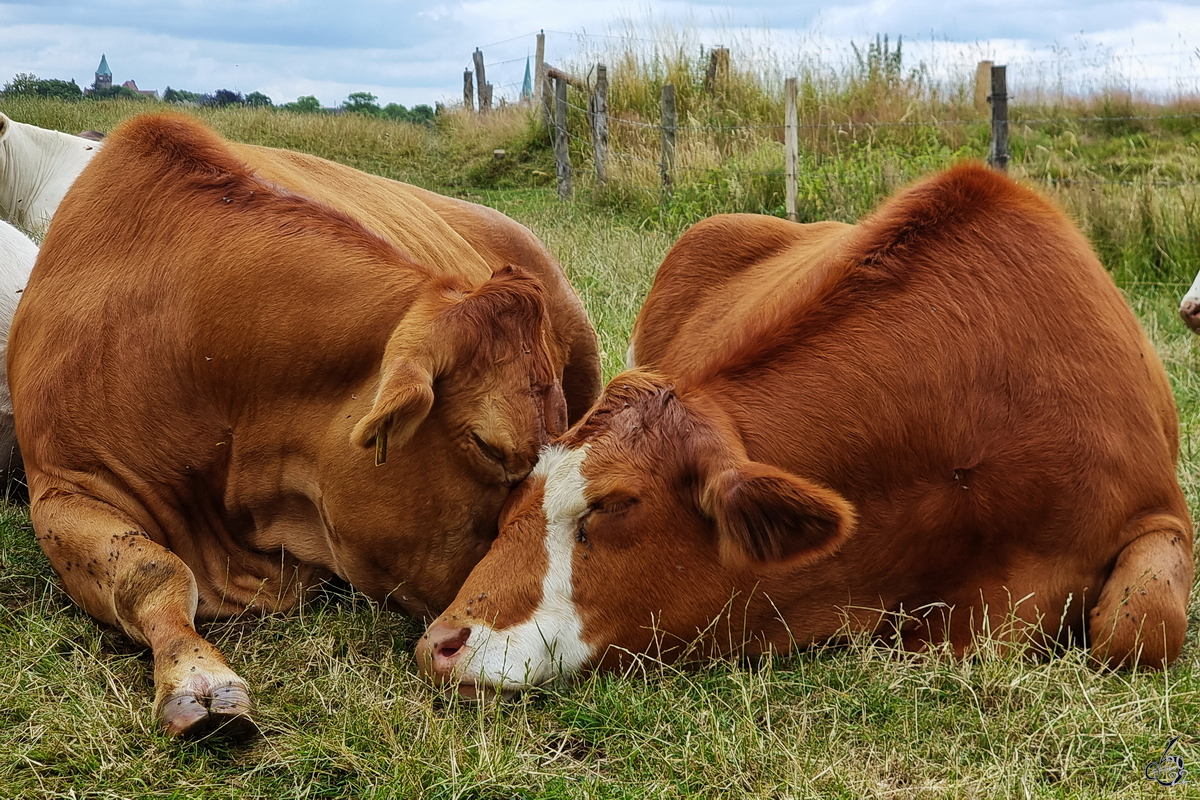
5,125
765,515
404,399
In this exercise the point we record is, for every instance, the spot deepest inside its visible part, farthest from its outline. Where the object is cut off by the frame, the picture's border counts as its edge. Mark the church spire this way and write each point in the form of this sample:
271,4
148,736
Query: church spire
103,74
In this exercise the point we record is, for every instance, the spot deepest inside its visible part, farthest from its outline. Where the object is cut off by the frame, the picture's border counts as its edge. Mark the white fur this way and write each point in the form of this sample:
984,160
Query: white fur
1193,294
37,166
17,254
549,643
630,362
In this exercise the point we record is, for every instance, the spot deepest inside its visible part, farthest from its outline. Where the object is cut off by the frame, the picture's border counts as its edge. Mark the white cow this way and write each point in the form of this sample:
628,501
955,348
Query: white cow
17,254
1189,308
37,166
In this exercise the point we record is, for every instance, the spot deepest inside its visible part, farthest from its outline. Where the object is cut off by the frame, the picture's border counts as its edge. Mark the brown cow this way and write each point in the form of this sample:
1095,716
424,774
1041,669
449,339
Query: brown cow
913,426
227,391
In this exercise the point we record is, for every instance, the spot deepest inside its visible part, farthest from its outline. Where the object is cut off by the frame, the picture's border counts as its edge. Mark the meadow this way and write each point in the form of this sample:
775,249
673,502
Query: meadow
342,710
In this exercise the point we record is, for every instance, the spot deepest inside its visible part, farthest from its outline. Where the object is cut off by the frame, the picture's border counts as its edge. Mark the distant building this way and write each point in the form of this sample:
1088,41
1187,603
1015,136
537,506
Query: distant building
104,81
147,92
103,74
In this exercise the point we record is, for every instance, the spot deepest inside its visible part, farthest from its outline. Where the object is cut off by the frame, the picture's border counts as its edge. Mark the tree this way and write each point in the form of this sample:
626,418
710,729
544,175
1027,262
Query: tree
258,99
28,84
308,104
222,98
362,103
421,114
23,83
114,93
180,96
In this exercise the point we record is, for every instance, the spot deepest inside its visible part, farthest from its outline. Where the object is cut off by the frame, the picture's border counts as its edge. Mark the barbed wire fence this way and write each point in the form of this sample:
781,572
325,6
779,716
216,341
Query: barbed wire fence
586,131
599,123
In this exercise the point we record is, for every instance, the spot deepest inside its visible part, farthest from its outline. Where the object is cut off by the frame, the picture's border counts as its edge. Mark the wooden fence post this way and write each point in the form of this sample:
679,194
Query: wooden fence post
468,91
547,93
983,84
717,76
998,157
539,70
598,114
668,138
561,155
485,100
791,144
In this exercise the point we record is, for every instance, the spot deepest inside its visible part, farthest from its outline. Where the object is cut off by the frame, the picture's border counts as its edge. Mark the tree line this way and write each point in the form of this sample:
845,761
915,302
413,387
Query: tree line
26,84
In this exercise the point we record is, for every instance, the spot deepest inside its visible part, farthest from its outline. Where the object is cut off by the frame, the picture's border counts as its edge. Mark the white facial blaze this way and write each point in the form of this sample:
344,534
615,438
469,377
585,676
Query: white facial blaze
549,643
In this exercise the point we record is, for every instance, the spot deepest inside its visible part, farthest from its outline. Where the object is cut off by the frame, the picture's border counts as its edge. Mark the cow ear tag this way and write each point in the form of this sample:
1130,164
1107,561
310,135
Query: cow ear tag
381,437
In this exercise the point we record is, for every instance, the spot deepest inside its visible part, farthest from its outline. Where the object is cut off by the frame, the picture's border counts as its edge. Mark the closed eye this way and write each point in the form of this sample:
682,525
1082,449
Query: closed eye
492,452
612,506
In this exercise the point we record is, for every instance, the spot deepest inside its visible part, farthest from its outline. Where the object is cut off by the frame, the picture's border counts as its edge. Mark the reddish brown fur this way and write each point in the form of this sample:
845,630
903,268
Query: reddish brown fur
192,364
979,424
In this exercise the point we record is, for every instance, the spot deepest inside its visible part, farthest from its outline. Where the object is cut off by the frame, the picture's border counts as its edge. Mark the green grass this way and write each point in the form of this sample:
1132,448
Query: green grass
343,711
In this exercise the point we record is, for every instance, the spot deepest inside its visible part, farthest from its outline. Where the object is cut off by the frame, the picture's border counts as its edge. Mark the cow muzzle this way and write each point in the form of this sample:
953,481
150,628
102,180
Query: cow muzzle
1189,311
442,656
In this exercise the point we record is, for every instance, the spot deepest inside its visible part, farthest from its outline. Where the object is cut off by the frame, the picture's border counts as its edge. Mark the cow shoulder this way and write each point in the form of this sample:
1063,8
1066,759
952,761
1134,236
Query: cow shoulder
721,275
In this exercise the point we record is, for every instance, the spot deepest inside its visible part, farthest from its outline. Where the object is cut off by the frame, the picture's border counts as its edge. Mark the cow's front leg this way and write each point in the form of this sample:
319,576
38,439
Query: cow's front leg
121,577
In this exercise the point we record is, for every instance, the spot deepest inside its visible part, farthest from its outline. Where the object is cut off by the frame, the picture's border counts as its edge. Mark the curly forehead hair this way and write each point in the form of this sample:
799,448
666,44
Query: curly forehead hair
633,403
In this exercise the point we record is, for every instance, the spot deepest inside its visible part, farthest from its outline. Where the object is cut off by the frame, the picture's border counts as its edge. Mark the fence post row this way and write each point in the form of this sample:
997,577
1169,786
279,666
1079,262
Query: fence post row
668,138
468,90
998,155
791,144
598,115
561,156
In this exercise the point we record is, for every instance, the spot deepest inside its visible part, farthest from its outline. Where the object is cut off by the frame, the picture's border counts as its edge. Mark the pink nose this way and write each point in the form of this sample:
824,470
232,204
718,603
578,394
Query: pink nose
1190,311
442,647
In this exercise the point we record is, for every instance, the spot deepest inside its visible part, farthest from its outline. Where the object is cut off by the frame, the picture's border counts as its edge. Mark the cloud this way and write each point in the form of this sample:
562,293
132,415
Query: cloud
411,53
362,24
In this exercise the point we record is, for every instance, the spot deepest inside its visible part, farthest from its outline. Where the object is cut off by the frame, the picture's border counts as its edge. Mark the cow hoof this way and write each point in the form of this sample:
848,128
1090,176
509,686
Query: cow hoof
225,711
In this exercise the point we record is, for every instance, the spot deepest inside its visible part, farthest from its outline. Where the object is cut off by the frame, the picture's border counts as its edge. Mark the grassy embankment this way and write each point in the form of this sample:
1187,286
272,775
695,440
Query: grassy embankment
343,712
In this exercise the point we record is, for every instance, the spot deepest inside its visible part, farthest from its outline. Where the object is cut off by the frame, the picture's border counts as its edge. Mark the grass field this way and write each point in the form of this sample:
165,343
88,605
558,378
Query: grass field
342,709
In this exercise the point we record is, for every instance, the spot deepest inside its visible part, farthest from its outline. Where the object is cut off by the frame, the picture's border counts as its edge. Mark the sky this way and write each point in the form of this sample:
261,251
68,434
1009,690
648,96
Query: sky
412,53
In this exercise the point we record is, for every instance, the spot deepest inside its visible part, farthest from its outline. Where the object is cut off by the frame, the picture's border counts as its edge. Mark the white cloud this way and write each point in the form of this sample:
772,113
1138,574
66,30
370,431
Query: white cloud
415,52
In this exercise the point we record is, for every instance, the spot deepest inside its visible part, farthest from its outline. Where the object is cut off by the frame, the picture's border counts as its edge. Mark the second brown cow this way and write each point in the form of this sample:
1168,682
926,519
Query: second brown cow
941,421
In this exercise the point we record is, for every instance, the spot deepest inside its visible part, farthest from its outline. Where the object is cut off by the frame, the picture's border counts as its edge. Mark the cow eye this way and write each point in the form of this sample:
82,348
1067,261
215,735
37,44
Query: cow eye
488,450
581,528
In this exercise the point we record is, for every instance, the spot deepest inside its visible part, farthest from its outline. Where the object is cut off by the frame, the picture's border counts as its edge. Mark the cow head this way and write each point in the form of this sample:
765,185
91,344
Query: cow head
633,534
488,355
467,395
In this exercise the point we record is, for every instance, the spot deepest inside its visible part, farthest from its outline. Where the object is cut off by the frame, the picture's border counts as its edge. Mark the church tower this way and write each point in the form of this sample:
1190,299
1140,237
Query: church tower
103,74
